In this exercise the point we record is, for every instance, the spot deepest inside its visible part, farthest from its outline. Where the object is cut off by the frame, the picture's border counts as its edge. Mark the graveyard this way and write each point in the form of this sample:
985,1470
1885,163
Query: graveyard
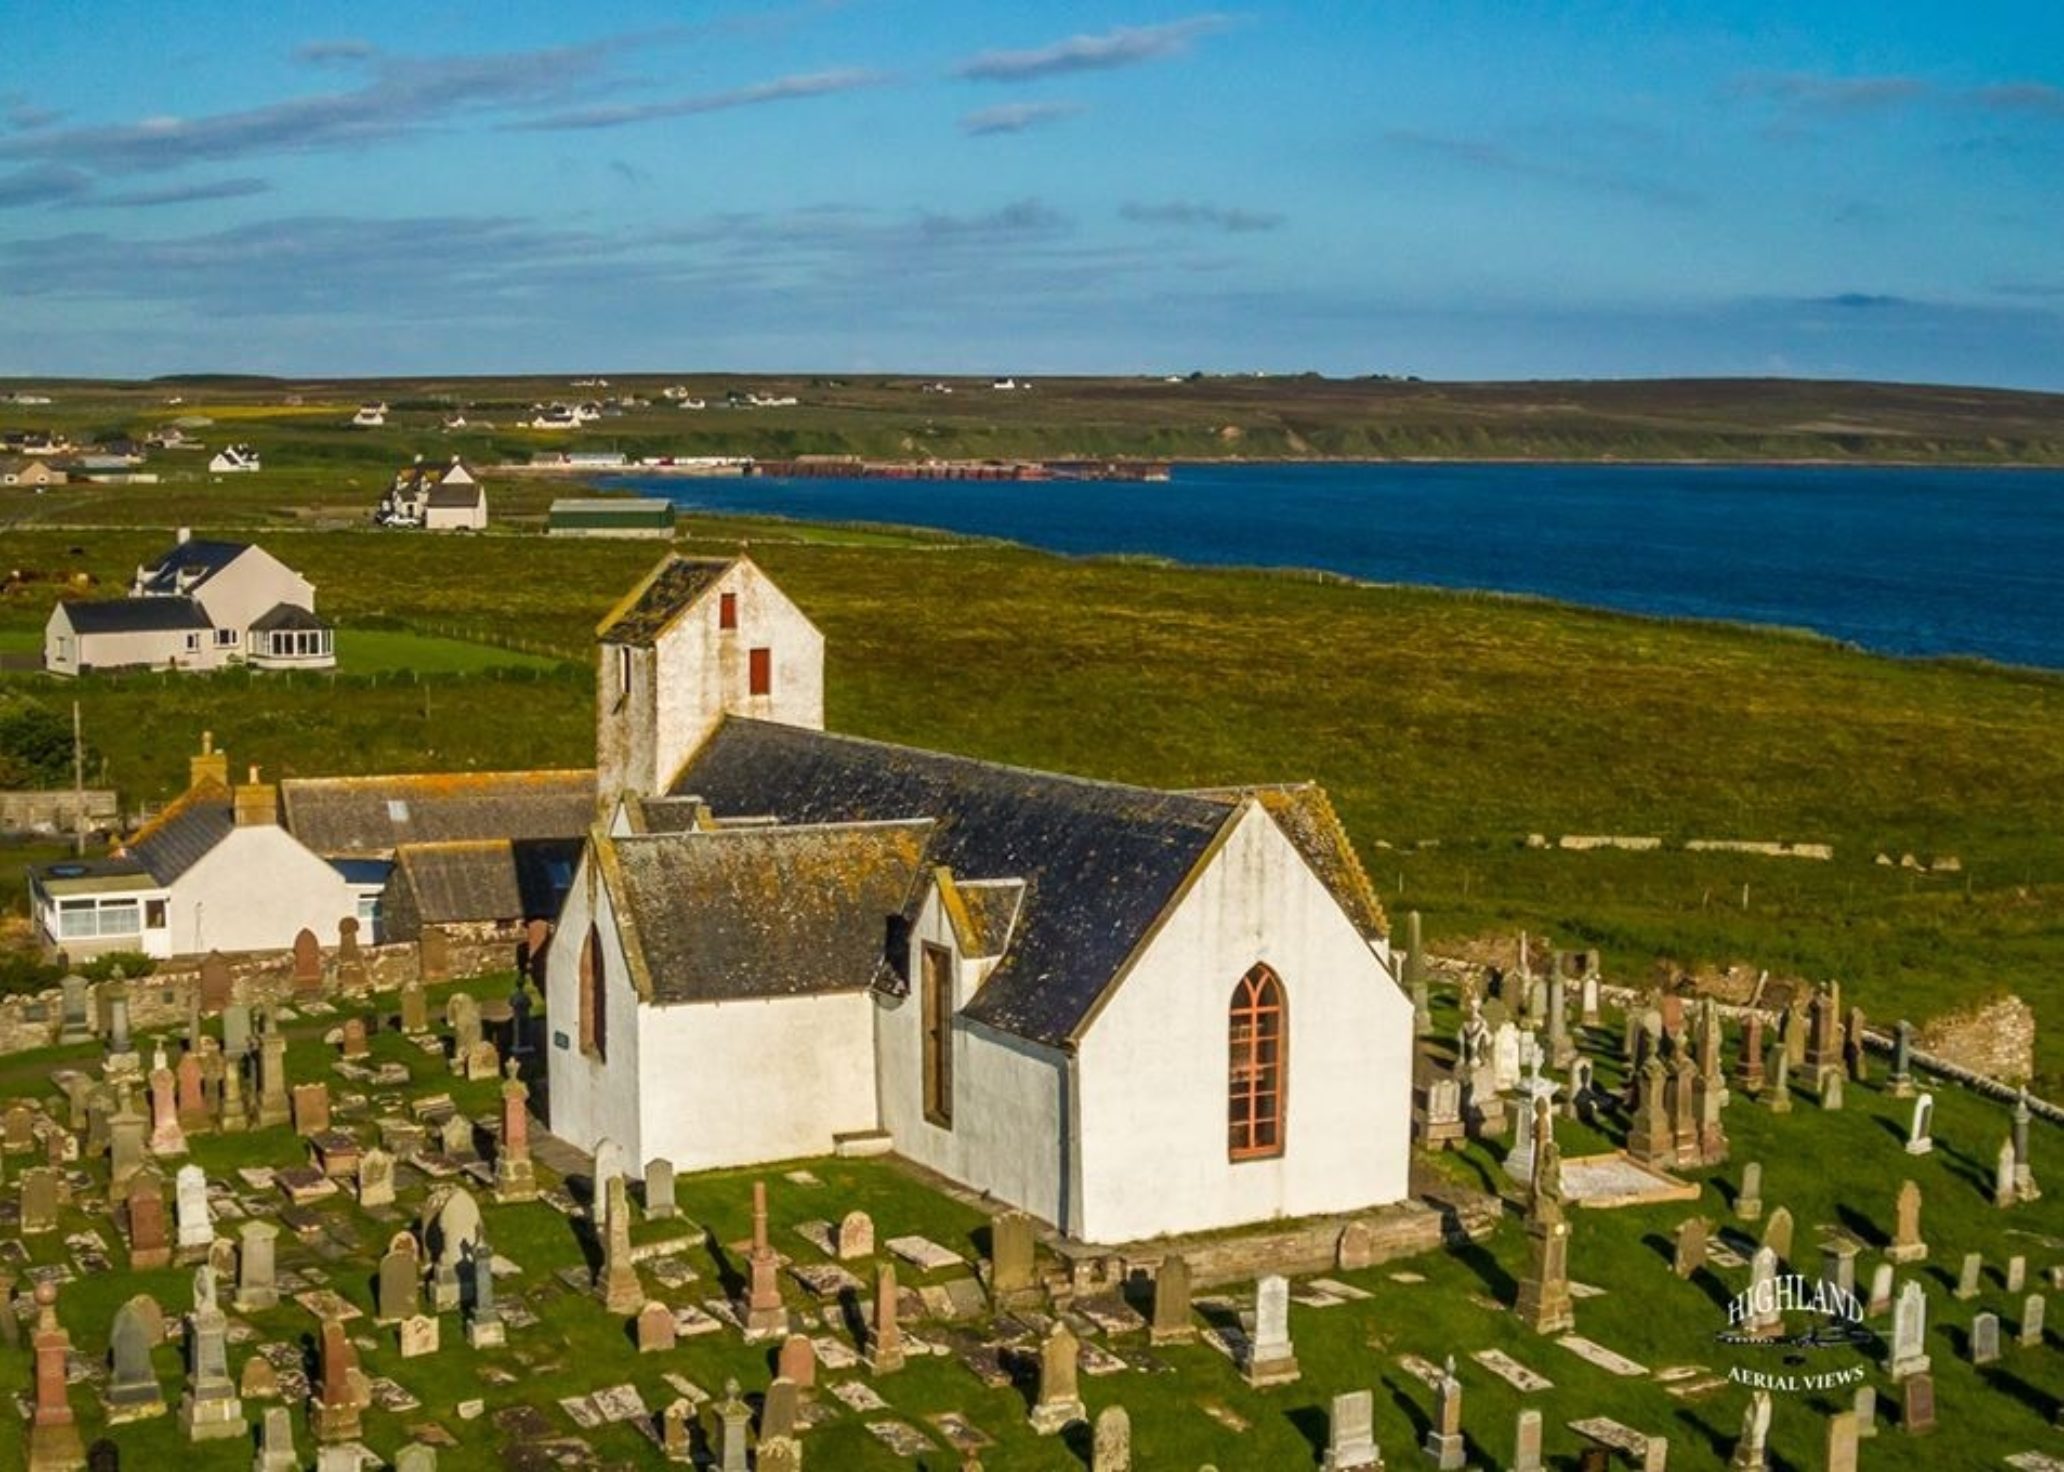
332,1245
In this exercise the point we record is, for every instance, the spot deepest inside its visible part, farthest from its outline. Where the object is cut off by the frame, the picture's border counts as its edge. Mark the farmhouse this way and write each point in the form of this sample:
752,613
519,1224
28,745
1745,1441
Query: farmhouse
235,460
200,606
30,472
438,500
1130,1012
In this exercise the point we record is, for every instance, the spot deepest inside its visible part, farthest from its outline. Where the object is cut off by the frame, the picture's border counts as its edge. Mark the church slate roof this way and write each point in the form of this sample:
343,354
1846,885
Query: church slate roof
486,879
377,815
765,912
664,595
1100,862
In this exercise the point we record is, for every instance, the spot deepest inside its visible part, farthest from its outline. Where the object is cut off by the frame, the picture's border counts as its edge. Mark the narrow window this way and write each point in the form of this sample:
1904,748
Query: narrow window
1255,1106
760,672
594,998
154,914
938,1036
727,610
623,675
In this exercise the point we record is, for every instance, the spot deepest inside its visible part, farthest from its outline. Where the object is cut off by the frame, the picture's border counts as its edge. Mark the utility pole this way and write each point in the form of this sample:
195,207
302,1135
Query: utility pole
78,786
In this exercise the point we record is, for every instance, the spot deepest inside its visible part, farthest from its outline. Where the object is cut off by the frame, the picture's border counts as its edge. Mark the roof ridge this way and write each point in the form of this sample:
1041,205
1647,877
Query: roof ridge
207,789
1069,778
361,778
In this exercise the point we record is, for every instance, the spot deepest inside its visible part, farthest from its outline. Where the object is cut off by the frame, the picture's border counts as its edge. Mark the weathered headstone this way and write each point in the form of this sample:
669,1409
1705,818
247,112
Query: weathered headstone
1012,1280
1906,1245
484,1327
1748,1201
211,1409
132,1392
855,1236
2003,1192
1920,1134
415,1008
419,1335
196,1221
1970,1276
1777,1233
401,1275
765,1315
375,1178
1444,1445
1881,1284
217,982
2032,1313
276,1451
1985,1339
1270,1359
1111,1446
356,1044
1909,1355
308,964
1840,1450
145,1205
660,1202
621,1291
655,1328
75,1018
797,1362
1918,1404
257,1286
1752,1447
342,1390
1690,1249
1171,1323
884,1350
39,1197
515,1176
311,1109
1059,1404
1526,1441
1351,1434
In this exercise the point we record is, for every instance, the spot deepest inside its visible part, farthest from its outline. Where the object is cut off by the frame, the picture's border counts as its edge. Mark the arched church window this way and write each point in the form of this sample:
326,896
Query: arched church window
594,997
1258,1043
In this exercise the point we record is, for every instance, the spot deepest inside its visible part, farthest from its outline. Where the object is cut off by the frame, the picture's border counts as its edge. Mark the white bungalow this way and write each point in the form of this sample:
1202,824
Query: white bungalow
235,460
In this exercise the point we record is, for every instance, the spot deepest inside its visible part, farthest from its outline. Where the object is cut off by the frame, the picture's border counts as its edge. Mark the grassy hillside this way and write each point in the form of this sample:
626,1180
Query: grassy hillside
303,426
1446,726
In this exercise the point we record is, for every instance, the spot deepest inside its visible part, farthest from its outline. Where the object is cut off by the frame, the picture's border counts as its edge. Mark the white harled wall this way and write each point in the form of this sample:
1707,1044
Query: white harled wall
255,891
1010,1096
592,1099
1153,1066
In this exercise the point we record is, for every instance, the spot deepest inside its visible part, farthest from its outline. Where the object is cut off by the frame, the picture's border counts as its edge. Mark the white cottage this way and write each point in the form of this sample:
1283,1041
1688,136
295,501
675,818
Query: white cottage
1131,1012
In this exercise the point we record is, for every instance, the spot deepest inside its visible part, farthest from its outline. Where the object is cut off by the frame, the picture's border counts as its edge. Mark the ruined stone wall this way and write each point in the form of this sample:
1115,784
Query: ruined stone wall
158,1002
56,812
1994,1038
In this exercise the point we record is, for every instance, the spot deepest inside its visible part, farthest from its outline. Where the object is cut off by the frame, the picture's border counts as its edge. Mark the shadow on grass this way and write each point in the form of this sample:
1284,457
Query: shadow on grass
1861,1227
1719,1441
1313,1424
1891,1127
1402,1399
2038,1400
1500,1284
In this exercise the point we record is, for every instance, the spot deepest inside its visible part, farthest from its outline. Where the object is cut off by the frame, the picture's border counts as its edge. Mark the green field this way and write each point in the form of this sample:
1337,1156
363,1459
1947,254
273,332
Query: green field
1446,726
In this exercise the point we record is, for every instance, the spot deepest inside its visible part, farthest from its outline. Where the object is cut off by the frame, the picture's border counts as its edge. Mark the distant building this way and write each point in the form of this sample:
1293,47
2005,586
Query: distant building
426,497
611,516
235,460
35,473
369,416
200,606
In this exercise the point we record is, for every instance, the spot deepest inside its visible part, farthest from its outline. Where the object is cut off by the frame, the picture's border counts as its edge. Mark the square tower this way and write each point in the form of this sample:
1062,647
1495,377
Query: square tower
697,640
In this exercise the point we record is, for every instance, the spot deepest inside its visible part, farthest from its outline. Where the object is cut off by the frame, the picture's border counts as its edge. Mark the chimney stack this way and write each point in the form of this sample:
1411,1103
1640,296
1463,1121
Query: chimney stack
210,765
257,803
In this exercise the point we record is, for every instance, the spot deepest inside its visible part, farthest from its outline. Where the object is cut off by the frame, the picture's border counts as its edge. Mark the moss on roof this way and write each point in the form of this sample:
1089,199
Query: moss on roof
666,593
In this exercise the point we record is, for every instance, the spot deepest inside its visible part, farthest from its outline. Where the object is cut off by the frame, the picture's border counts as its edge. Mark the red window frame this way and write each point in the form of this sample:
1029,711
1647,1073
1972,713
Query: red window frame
727,610
1258,1047
760,672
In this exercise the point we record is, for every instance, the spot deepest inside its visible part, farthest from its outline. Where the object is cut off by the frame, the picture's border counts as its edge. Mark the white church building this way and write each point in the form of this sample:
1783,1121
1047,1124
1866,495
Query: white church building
1130,1012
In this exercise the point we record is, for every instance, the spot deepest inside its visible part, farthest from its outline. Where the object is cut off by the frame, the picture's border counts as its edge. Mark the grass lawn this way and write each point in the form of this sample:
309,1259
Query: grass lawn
1446,726
1832,1171
369,651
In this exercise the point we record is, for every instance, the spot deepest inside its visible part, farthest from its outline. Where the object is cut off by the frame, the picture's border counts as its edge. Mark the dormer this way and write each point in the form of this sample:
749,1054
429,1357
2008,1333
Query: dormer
697,640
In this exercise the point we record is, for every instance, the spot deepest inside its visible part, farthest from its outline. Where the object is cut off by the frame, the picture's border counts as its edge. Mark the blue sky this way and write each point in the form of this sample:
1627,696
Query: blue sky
1453,188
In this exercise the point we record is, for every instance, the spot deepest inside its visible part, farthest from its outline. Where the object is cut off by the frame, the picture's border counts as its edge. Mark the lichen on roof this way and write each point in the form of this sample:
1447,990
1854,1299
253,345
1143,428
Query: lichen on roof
1306,815
665,594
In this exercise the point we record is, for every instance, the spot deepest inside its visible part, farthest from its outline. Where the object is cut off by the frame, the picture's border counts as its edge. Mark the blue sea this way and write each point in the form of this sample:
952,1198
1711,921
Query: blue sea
1903,561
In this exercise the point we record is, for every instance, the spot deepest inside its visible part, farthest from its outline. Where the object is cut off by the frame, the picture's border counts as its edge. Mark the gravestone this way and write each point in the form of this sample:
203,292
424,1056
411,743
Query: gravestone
1752,1447
132,1391
655,1328
2003,1192
311,1109
351,966
1777,1233
621,1292
1012,1281
1526,1441
453,1230
797,1362
1909,1355
258,1380
196,1221
1899,1084
1764,1318
38,1200
734,1426
1059,1404
1355,1247
342,1390
400,1277
1880,1301
236,1031
1838,1261
609,1163
884,1352
274,1106
148,1245
1270,1357
416,1457
75,1019
1920,1136
211,1409
1864,1407
355,1043
1906,1245
660,1203
765,1316
420,1334
2033,1309
1111,1447
1171,1323
1918,1405
1444,1445
1690,1252
1985,1339
1970,1276
308,967
1351,1434
855,1238
276,1452
216,982
1748,1201
2017,1273
415,1008
375,1178
256,1285
1840,1451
